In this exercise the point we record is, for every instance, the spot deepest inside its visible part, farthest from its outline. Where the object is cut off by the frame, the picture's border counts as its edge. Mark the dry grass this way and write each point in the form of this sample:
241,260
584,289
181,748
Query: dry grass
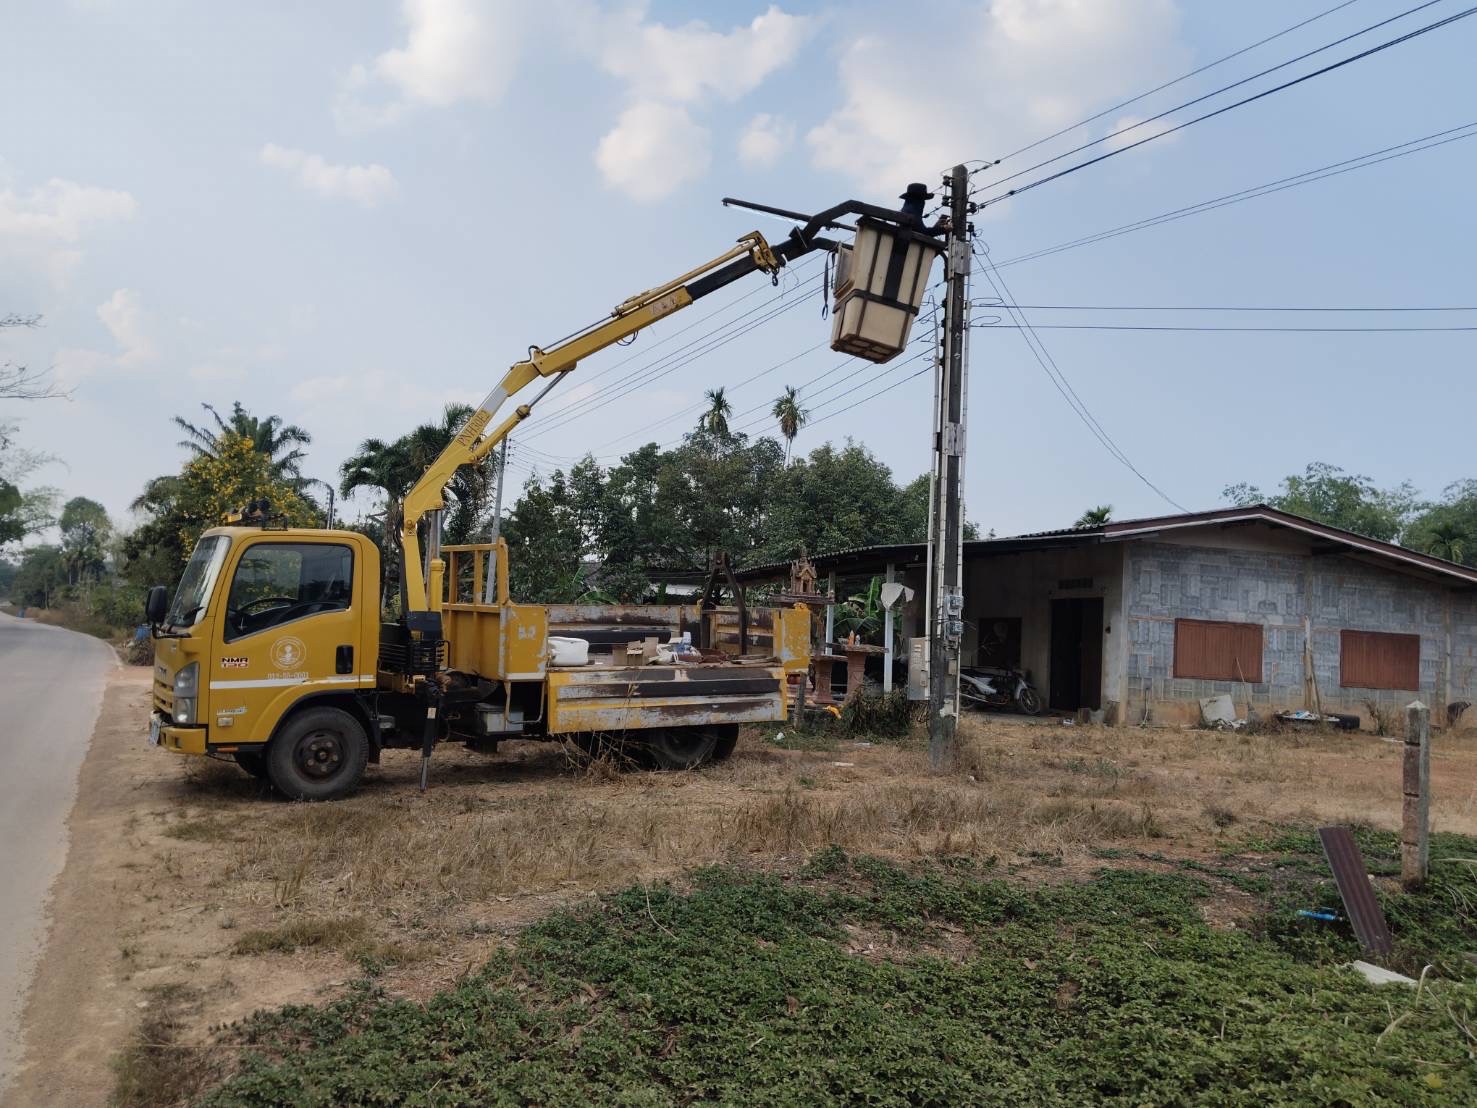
157,1067
300,898
540,823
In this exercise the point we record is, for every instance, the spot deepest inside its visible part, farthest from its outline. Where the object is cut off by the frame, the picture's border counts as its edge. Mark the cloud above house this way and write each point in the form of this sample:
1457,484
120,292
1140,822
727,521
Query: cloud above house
365,185
672,71
1018,69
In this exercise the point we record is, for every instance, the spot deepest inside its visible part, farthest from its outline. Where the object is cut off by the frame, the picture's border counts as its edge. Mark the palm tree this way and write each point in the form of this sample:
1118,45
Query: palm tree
1095,517
393,467
791,415
270,436
1448,541
715,419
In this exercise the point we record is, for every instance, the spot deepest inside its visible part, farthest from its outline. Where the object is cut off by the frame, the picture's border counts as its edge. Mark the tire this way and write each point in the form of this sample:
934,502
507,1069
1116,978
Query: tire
673,748
319,754
253,762
596,745
1029,702
728,736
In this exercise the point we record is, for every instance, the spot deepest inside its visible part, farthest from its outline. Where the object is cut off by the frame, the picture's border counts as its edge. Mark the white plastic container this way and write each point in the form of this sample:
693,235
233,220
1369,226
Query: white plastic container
880,282
568,652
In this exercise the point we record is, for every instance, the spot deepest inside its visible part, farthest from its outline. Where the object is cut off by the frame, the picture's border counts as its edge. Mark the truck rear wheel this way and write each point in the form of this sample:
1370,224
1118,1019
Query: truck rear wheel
679,747
319,754
727,734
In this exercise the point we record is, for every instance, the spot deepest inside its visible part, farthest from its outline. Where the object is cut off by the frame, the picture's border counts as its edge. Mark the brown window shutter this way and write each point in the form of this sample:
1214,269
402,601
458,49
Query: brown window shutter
1379,660
1213,650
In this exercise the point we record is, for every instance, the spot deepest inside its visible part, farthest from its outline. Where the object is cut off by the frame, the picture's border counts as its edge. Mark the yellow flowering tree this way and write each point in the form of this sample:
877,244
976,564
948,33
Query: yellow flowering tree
212,485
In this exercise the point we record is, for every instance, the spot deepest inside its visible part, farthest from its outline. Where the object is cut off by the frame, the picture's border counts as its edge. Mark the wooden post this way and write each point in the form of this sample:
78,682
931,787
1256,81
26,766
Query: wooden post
830,610
1415,848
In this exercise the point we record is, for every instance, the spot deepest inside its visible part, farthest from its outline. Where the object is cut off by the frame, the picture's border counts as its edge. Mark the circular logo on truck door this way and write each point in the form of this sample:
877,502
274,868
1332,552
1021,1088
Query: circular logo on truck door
288,653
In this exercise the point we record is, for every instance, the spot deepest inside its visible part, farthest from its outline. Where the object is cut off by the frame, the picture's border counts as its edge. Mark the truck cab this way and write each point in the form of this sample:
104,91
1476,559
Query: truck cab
266,623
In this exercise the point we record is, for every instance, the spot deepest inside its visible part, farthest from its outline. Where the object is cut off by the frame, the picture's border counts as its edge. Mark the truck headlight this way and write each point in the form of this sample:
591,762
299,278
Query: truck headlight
186,689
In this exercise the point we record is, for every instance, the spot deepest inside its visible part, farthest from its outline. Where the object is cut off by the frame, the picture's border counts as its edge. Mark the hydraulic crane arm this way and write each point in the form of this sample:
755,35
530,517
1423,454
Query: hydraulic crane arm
473,441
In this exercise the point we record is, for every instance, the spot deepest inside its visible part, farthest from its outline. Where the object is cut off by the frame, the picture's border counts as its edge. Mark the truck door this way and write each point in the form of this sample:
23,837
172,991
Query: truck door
291,626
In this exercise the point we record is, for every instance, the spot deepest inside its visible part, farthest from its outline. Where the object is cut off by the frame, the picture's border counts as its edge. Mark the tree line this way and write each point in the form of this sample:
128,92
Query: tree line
619,532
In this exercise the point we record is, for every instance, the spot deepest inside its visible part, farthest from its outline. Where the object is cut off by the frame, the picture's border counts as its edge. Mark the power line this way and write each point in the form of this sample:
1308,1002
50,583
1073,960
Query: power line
1185,77
735,302
694,407
873,396
1333,169
1155,327
1222,308
1399,40
1202,98
1059,380
662,367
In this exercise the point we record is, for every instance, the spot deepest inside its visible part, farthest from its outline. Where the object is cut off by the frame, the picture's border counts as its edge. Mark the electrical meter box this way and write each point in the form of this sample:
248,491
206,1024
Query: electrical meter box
880,281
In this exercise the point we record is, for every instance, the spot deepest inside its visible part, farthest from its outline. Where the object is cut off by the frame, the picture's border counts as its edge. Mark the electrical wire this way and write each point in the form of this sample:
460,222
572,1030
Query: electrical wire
1322,71
659,369
1058,379
697,406
1167,84
792,271
1333,169
1276,330
1222,308
1202,98
675,358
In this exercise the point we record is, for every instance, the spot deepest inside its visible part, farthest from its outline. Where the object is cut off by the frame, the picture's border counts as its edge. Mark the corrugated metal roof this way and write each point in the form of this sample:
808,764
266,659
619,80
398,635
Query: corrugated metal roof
1131,528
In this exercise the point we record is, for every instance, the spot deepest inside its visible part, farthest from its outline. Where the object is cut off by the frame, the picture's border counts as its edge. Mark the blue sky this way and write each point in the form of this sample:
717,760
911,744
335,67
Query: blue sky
350,213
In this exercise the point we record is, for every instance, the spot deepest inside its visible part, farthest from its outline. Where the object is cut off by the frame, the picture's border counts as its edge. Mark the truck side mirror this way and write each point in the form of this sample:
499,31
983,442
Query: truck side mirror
156,605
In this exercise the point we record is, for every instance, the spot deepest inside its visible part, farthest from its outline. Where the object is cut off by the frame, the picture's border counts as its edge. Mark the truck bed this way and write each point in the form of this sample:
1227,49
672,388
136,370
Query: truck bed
629,698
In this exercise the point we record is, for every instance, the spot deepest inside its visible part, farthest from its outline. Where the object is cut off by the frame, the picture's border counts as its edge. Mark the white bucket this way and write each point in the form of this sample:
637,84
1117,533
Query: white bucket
568,652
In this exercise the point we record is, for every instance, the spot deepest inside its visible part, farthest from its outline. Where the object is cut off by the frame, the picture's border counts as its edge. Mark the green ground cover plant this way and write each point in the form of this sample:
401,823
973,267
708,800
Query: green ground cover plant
860,981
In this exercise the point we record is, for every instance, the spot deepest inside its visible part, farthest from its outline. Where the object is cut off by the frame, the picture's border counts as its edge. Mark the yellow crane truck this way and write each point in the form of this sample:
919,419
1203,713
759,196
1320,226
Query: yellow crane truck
274,651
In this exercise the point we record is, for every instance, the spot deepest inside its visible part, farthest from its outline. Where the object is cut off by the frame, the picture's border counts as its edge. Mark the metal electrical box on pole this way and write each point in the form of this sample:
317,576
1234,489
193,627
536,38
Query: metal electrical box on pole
946,538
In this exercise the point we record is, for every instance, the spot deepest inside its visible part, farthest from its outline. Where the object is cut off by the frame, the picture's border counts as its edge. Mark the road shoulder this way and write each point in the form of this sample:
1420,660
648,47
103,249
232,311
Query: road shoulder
78,1010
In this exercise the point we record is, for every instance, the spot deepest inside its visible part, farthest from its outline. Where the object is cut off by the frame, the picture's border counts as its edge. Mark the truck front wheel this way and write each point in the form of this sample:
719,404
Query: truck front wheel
319,754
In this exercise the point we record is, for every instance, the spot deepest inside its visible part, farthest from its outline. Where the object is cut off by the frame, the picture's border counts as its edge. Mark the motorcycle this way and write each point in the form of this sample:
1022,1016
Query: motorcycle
997,689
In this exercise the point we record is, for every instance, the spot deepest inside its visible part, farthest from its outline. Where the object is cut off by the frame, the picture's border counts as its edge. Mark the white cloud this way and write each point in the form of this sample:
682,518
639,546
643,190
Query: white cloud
42,226
1019,69
123,315
765,140
685,63
59,210
454,50
653,150
656,146
365,185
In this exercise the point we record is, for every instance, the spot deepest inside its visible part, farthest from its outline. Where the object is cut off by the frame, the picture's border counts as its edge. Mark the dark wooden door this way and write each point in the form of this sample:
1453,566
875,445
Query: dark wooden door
1076,654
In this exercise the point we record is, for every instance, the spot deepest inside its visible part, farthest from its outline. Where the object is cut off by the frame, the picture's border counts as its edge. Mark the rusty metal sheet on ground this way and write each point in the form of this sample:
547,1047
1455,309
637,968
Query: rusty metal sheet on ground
1365,914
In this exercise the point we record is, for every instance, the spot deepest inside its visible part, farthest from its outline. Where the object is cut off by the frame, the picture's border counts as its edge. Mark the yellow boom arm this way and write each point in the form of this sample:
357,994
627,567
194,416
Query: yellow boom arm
471,444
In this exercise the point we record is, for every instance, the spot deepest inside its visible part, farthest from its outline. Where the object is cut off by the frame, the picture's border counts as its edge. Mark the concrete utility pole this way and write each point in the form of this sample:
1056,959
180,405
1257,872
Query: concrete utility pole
946,542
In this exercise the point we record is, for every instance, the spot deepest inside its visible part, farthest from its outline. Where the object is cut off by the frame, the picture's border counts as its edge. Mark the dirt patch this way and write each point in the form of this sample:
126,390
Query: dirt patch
186,873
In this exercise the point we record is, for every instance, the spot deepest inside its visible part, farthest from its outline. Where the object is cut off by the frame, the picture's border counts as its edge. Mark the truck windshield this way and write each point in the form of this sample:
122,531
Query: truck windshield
199,580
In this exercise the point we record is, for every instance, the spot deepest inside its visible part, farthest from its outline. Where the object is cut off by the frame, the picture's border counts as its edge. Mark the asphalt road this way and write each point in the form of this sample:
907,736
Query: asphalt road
51,686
